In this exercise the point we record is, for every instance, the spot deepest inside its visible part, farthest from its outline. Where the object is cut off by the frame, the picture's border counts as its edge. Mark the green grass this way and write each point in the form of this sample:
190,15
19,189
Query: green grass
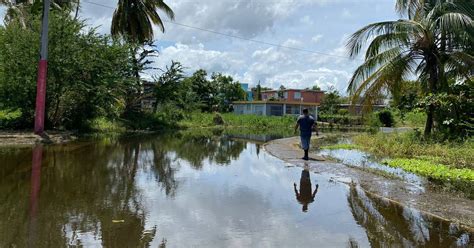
432,170
449,164
341,146
104,125
412,146
253,122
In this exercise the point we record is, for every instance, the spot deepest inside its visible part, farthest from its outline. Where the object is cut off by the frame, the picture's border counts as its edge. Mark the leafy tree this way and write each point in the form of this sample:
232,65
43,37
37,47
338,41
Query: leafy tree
87,77
281,92
228,91
133,19
433,44
22,11
330,102
205,90
406,96
259,92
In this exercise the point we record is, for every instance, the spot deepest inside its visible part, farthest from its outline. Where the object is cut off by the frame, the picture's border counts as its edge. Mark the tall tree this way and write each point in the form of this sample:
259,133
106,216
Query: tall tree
21,10
432,45
133,19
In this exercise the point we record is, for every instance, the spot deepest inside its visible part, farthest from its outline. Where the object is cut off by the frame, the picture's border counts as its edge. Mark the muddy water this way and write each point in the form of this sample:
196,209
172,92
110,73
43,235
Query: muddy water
193,191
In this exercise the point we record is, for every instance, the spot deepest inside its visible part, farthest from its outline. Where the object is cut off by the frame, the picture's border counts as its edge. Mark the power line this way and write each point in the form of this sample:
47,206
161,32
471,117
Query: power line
238,37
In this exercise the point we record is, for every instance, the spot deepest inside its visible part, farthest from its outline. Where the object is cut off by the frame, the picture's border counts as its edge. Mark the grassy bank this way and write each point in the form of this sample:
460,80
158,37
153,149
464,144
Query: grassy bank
252,122
411,145
447,163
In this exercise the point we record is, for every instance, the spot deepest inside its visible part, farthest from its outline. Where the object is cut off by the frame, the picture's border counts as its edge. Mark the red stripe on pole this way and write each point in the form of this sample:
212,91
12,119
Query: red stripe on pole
40,96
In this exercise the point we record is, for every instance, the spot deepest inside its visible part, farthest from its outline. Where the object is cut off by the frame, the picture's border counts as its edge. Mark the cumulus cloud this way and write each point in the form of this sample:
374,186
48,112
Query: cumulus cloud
198,57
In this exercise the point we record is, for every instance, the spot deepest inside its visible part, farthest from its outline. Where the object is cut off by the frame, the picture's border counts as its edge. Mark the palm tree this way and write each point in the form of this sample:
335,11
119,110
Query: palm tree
432,45
21,10
133,19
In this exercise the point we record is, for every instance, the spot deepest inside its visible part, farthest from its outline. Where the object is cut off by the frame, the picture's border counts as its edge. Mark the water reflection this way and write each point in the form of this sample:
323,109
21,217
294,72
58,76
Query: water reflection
36,161
388,225
305,196
186,190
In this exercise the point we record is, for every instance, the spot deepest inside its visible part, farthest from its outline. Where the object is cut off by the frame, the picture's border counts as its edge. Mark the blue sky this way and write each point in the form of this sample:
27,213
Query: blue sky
316,25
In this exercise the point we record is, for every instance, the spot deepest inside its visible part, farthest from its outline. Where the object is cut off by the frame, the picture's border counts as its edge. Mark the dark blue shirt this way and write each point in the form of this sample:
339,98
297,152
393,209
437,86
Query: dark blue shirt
306,124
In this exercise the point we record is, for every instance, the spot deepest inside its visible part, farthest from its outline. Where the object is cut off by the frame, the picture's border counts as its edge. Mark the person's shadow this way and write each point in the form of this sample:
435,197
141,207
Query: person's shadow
306,195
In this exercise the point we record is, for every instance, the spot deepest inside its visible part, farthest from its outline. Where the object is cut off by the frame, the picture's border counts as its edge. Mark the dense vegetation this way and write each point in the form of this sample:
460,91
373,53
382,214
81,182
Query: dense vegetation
434,43
92,81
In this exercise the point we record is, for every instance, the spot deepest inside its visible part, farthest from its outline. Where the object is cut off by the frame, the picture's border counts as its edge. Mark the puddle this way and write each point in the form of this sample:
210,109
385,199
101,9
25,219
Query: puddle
191,190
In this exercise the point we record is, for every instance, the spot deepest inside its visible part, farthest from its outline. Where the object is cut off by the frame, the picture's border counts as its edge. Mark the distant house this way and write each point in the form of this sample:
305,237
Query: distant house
249,93
293,101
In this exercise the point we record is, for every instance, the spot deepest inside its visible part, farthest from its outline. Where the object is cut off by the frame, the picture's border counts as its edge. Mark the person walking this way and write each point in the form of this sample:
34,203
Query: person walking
306,124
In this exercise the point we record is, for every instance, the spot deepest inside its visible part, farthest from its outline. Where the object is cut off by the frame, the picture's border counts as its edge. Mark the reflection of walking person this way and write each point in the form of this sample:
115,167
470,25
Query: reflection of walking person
306,195
306,123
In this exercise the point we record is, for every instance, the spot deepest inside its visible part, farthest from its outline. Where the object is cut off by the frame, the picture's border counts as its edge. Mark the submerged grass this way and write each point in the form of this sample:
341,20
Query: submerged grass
410,145
341,146
432,170
446,163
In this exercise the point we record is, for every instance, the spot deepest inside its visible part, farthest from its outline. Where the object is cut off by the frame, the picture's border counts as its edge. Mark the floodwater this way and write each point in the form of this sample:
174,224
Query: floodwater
188,190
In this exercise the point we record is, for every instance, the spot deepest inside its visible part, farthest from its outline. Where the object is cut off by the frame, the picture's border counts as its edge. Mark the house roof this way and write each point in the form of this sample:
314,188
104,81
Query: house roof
303,90
278,102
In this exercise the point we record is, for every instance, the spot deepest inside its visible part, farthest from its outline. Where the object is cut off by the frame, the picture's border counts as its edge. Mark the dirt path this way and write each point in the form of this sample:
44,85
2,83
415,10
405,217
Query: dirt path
442,205
15,138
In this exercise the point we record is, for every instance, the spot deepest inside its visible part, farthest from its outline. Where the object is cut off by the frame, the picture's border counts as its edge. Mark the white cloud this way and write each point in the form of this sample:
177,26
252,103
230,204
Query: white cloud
197,57
316,38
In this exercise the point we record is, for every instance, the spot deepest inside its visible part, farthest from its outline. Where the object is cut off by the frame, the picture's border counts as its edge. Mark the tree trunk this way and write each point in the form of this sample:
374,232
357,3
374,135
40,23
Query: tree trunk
429,120
77,9
432,63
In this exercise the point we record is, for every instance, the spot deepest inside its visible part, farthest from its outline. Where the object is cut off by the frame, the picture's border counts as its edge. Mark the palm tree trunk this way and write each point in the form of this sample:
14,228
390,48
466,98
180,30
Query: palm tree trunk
77,9
433,81
429,120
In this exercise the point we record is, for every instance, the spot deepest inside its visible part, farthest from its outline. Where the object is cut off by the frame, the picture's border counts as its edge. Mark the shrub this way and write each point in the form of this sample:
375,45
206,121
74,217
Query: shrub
218,120
415,118
105,125
9,118
386,118
341,119
343,112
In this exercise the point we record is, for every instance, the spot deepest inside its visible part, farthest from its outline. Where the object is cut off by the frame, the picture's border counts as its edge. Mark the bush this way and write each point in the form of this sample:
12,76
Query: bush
9,118
341,119
386,118
218,120
415,118
88,76
105,125
343,112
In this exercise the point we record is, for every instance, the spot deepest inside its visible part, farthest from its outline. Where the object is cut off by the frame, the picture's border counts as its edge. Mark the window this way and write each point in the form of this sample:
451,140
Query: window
297,95
276,110
292,109
258,110
285,95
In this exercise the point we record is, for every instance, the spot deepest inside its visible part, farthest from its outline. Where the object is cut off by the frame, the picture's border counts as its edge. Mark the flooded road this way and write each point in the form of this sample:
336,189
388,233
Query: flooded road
193,191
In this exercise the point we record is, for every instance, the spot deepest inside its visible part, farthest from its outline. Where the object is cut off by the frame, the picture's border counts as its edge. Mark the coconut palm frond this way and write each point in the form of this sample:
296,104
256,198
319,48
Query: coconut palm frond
386,42
134,19
364,71
357,40
452,22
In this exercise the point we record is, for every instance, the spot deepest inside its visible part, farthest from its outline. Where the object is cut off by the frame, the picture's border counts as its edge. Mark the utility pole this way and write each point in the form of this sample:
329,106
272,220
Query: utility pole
42,72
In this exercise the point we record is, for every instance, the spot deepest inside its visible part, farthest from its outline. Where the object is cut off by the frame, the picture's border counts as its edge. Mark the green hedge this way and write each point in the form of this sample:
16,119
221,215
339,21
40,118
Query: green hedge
341,119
